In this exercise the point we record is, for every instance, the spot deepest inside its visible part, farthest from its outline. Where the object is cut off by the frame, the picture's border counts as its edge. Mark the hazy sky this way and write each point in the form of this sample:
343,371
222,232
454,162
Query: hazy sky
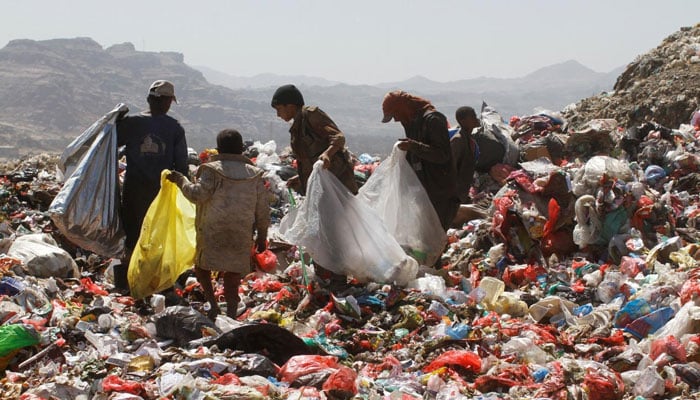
362,41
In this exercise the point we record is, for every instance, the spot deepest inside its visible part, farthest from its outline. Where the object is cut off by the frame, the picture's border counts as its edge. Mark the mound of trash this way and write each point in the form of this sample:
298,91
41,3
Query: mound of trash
573,274
659,85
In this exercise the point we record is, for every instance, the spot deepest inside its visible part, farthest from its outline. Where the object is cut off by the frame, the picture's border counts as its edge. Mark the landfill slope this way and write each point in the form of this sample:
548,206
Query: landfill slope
575,274
660,85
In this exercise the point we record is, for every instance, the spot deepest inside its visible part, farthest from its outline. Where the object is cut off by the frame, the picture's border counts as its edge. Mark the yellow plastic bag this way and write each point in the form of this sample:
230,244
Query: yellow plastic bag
166,245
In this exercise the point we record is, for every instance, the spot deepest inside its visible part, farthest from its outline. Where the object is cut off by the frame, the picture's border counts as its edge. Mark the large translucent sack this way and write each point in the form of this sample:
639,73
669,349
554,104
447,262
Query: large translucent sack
344,235
42,257
396,194
586,179
86,209
492,122
166,245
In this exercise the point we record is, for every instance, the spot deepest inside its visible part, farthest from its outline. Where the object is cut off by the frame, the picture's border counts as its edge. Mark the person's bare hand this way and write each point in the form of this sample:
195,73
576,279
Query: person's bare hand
294,183
326,160
260,243
175,177
405,144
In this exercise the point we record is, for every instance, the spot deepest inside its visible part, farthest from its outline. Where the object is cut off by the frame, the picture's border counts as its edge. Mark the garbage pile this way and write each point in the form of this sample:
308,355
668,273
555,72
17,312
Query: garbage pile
656,86
581,282
574,275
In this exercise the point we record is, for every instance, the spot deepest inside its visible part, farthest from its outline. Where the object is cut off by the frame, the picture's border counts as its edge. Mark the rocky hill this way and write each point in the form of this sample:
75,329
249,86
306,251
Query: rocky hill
661,85
50,91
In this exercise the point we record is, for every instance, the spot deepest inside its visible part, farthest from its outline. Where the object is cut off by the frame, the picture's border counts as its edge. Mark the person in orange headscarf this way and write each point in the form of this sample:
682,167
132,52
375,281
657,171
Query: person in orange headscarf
427,146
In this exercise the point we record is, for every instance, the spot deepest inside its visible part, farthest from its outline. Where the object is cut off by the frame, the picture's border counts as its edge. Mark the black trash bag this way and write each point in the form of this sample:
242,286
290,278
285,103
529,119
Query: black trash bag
278,344
182,324
653,152
689,373
253,364
316,379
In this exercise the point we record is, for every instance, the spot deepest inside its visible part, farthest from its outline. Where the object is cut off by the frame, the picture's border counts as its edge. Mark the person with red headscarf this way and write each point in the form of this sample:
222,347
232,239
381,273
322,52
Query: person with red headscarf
427,146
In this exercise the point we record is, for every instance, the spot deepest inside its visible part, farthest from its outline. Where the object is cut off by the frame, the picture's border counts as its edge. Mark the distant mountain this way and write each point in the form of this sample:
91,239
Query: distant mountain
550,88
51,90
260,81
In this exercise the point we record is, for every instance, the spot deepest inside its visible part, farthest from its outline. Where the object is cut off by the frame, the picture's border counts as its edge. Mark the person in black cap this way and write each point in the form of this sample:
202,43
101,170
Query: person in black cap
153,141
314,136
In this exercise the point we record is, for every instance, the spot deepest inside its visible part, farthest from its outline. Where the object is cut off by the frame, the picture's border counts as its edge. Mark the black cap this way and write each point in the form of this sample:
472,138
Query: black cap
287,94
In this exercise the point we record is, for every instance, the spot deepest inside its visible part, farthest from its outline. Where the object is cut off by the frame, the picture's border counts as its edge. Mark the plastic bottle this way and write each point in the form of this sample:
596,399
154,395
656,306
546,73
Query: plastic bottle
158,303
492,288
609,287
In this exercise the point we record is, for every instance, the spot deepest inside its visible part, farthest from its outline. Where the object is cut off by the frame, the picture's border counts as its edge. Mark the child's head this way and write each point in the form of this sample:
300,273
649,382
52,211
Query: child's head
229,141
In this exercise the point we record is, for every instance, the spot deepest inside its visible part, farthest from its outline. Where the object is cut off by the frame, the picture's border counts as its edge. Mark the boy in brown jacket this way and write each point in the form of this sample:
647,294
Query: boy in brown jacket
232,203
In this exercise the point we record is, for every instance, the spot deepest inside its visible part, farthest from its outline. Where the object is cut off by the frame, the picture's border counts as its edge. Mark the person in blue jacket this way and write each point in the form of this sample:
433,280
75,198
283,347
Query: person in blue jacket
153,141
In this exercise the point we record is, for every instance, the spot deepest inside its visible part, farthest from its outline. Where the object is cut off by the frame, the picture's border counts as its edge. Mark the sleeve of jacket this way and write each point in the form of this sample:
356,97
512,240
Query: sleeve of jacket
181,152
123,128
458,147
203,188
436,148
324,126
262,208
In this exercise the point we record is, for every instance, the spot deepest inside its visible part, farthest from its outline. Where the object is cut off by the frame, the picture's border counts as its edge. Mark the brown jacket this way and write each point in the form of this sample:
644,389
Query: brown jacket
232,201
312,133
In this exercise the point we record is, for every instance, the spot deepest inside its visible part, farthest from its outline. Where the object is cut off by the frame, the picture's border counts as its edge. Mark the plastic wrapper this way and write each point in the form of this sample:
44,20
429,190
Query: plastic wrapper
343,234
586,179
401,201
302,365
265,261
86,209
341,382
183,324
16,336
166,246
467,360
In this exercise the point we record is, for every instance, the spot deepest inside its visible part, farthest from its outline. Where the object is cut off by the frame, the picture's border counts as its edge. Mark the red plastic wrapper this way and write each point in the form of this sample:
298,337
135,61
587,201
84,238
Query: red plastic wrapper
602,385
264,261
305,365
689,290
92,287
461,358
342,381
669,345
390,363
227,379
515,276
616,339
113,383
632,266
266,285
506,378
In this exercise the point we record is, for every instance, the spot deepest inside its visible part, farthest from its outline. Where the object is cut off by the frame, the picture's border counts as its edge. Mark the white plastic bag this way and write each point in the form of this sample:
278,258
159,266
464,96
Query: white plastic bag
344,235
42,257
396,194
86,209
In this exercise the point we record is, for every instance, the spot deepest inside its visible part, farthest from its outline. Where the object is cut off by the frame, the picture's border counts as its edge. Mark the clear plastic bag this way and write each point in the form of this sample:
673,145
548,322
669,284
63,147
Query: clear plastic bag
86,209
344,235
166,246
396,194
